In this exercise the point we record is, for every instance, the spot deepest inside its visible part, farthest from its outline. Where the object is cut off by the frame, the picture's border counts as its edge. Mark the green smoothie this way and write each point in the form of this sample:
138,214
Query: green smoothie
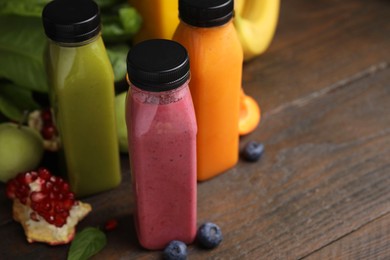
81,84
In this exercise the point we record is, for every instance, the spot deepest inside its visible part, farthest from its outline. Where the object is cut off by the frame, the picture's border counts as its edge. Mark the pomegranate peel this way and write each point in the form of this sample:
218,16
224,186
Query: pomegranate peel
40,230
45,207
42,122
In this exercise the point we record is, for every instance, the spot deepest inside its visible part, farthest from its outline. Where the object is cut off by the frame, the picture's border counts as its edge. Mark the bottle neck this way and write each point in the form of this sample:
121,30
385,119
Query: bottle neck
207,27
159,98
76,44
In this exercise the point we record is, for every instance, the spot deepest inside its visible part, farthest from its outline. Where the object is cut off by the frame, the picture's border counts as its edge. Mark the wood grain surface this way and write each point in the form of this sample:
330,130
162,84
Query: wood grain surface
322,188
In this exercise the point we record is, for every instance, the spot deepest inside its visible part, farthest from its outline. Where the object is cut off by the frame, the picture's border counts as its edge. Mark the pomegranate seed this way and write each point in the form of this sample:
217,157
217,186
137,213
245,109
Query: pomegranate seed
53,179
34,174
37,196
64,214
49,186
59,221
111,224
11,189
35,206
23,200
70,196
65,187
48,132
59,208
20,178
45,215
30,177
39,206
52,195
67,204
46,116
19,194
50,219
44,174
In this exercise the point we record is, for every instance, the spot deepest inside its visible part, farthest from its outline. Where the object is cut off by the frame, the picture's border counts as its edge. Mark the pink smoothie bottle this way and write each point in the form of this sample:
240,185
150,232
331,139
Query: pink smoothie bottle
162,131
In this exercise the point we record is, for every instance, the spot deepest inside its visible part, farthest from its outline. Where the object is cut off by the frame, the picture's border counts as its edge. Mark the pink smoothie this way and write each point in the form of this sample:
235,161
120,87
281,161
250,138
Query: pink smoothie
162,141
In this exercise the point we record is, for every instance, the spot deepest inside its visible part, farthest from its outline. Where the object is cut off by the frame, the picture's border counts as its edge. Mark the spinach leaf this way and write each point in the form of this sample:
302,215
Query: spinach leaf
130,19
121,25
23,7
14,100
117,55
22,43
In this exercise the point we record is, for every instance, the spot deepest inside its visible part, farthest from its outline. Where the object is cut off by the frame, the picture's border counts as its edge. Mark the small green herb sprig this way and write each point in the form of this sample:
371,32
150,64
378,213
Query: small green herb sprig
87,243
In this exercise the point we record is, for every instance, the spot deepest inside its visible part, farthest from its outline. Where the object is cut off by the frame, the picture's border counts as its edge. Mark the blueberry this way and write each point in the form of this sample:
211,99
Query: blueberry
209,235
253,151
176,250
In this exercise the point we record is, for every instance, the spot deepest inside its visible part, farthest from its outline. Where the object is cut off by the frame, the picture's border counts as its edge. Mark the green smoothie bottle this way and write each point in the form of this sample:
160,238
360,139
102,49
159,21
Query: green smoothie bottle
81,88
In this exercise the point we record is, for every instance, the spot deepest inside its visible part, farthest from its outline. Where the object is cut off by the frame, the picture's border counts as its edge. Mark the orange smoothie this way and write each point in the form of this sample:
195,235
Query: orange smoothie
216,69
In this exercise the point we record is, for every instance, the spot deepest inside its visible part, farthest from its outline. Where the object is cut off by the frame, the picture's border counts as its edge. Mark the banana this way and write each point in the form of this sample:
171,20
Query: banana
238,6
255,22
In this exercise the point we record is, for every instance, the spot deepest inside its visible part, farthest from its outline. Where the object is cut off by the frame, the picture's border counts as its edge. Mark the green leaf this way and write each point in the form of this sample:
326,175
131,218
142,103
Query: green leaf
22,44
23,7
35,7
130,19
117,55
87,243
121,25
14,100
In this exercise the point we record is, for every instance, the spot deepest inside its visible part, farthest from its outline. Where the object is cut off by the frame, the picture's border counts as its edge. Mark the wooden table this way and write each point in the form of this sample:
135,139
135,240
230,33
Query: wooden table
322,188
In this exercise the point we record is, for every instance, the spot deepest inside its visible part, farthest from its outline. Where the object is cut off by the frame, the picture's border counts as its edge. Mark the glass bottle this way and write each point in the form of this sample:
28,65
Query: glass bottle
81,88
207,32
162,143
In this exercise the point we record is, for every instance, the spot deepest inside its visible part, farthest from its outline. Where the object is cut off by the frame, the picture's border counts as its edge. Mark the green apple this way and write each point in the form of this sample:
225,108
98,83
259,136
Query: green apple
21,149
120,104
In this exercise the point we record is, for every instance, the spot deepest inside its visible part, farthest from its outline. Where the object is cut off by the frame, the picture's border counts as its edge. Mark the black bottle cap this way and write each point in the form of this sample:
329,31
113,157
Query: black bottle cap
71,21
158,65
206,13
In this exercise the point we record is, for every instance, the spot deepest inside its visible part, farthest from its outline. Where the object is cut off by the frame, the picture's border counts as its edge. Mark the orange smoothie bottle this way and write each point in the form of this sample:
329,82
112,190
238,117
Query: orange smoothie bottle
207,32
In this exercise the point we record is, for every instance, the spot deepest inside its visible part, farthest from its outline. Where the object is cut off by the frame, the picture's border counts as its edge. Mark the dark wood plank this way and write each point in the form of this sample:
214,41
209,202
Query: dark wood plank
325,174
318,43
369,242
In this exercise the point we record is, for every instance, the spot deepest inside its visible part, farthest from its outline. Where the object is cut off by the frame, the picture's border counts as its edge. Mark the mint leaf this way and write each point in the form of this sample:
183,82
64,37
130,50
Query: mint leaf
87,243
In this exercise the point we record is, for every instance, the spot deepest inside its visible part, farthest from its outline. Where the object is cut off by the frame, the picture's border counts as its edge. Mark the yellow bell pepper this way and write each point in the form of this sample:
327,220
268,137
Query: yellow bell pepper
159,18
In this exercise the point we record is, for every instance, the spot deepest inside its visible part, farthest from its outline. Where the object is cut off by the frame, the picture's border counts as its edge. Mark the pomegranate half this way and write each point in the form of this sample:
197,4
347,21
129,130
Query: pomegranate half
45,207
